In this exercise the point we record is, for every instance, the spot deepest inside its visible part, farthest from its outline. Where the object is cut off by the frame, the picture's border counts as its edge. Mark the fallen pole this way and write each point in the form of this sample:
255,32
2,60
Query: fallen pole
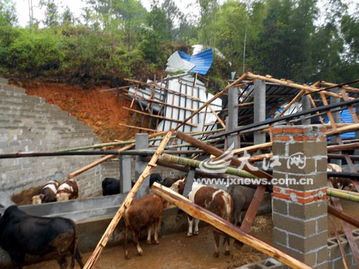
225,226
95,163
115,220
343,216
259,193
347,195
194,163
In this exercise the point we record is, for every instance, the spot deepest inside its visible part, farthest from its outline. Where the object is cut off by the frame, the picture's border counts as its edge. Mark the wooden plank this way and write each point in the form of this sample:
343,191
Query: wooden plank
116,219
330,115
217,117
158,116
225,226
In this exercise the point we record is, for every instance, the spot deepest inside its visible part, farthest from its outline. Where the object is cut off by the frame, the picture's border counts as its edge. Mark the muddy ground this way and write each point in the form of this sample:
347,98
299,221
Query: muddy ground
179,251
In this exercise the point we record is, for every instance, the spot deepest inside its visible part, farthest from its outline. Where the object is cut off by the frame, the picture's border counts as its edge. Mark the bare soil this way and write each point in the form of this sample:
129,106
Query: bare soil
101,110
179,251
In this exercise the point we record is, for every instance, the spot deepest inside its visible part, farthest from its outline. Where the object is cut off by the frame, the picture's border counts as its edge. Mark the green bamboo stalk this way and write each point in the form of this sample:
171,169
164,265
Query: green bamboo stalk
347,195
195,164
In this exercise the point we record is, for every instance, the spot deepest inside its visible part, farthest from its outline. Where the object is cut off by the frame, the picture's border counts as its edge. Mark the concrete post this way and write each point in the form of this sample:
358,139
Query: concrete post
232,122
259,108
306,106
141,143
125,173
189,182
299,211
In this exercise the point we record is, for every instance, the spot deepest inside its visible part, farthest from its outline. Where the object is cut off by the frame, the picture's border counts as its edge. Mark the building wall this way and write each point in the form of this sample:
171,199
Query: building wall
28,123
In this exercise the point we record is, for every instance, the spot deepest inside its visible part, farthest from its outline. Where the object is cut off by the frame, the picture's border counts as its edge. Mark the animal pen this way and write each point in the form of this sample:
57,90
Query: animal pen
298,127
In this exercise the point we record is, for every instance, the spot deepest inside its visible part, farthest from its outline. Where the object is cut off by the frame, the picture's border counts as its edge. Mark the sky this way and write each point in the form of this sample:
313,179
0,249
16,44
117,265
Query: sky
76,6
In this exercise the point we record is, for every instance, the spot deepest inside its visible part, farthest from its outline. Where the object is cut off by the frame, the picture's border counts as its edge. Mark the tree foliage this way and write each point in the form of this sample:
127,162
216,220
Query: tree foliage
119,38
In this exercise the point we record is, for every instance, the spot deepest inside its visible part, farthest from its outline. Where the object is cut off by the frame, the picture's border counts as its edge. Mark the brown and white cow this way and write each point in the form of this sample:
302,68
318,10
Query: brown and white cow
217,201
339,183
47,193
67,190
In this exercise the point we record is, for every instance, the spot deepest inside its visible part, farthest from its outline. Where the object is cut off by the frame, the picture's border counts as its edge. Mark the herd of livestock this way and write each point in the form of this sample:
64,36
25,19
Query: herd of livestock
22,234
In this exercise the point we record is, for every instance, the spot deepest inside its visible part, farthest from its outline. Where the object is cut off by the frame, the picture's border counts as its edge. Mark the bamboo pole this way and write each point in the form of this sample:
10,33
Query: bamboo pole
352,127
291,84
343,216
217,117
299,94
139,128
158,116
251,148
194,163
347,195
95,163
225,226
104,239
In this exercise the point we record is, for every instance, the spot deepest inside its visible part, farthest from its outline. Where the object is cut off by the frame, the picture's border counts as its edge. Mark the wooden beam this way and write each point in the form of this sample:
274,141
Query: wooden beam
158,116
258,195
291,84
299,94
139,128
126,203
251,148
217,117
225,226
343,216
95,163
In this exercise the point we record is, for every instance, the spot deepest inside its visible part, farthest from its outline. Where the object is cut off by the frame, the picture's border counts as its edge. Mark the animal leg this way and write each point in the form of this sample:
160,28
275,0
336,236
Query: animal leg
17,258
216,244
136,235
227,243
62,261
125,243
149,233
78,258
190,224
196,230
157,228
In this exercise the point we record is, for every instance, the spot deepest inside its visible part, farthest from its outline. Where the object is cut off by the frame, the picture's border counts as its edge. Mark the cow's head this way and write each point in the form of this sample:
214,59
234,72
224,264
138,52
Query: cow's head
63,196
37,199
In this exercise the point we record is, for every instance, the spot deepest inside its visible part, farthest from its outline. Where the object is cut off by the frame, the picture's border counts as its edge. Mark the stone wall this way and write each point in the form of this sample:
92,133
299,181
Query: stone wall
28,123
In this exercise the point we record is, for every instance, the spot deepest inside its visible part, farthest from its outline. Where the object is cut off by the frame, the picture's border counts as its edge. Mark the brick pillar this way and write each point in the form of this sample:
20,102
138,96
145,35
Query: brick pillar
300,211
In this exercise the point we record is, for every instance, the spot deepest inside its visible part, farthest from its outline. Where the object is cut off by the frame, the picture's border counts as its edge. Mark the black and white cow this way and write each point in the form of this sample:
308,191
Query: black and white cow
22,234
47,193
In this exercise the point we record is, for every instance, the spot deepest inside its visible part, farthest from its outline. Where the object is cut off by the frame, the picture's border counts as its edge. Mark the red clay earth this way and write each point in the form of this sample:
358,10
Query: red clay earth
101,110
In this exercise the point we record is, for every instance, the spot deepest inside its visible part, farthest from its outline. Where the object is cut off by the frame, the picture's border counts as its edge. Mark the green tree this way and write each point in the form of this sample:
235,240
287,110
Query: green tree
7,13
51,13
67,17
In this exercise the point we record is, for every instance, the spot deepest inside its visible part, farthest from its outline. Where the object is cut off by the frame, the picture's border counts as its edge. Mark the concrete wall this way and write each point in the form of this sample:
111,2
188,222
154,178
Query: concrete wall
28,123
335,258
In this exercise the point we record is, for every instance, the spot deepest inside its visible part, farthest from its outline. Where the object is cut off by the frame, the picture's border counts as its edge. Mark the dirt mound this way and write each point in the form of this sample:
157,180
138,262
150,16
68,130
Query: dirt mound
101,110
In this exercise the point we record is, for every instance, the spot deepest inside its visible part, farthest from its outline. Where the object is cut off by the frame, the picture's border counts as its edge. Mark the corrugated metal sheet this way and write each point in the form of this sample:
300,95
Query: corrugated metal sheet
176,63
202,61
